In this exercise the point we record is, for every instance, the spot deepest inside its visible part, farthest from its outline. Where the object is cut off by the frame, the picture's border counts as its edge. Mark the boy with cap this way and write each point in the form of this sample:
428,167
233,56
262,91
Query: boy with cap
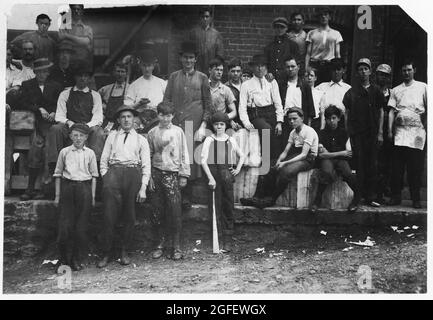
76,172
383,79
364,105
218,162
39,95
323,45
334,153
188,90
298,155
78,104
125,170
170,172
147,92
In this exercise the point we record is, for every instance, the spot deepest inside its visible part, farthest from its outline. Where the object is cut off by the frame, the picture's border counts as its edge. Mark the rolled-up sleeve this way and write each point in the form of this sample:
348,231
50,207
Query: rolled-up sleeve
106,153
145,161
184,170
97,113
243,98
60,166
61,107
277,101
93,166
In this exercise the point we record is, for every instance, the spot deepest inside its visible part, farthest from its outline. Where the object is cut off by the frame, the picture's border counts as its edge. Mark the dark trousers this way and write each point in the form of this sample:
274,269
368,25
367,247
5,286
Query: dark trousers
329,168
275,182
37,149
264,118
323,70
58,138
365,153
384,167
167,207
120,188
411,160
224,199
75,206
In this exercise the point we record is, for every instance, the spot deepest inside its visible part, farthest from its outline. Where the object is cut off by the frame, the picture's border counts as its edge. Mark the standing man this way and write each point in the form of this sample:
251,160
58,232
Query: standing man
125,170
364,115
145,93
383,78
26,63
45,46
298,35
408,114
208,40
234,84
223,99
260,104
334,90
280,48
62,71
189,92
323,45
39,95
80,36
78,104
113,94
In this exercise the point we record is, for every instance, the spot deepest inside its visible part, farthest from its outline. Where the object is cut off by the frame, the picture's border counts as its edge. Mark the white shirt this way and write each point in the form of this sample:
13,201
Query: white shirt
132,151
306,135
25,74
257,92
317,100
12,74
293,96
152,89
97,115
323,43
334,93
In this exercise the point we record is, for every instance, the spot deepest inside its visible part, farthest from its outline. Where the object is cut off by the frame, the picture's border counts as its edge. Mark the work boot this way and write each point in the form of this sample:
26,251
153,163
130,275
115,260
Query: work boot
157,253
76,265
353,206
124,258
39,196
247,201
28,195
177,254
228,244
103,262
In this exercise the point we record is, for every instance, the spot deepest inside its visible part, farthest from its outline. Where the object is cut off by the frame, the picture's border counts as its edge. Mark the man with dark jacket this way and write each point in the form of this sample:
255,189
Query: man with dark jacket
39,95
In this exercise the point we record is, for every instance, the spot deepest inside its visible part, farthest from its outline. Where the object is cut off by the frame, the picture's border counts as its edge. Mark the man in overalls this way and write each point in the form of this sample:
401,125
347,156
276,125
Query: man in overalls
113,95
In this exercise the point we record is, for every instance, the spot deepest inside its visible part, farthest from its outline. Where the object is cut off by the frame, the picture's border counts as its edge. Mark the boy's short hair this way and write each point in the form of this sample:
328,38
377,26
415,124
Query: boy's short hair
297,13
332,110
80,127
165,108
296,110
121,65
290,58
408,62
235,62
42,16
309,69
216,62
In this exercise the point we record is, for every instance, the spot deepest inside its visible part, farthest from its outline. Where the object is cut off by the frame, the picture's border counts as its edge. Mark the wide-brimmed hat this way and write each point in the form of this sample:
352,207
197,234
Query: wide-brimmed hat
82,67
188,47
146,56
364,61
280,20
126,108
41,64
81,127
258,59
384,68
66,46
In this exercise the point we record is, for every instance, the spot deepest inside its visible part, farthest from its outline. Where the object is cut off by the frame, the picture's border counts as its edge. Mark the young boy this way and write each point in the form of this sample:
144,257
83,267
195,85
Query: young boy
334,152
170,172
218,164
76,172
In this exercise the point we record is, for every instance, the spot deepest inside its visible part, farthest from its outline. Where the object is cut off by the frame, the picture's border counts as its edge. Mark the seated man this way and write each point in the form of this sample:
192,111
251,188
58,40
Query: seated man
78,104
39,95
299,155
334,152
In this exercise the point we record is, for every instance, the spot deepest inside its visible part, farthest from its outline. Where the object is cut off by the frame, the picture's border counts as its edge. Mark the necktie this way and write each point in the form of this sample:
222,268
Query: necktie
126,136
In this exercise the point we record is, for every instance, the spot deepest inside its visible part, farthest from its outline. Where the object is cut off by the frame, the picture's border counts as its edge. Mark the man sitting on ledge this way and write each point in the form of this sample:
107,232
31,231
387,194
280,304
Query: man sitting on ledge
299,155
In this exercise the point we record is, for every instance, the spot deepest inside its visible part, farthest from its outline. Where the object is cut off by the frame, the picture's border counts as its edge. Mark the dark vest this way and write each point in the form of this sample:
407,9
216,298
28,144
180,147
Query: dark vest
79,106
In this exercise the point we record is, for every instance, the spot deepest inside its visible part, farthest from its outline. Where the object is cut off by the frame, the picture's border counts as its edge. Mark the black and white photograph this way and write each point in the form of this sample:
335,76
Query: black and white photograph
214,148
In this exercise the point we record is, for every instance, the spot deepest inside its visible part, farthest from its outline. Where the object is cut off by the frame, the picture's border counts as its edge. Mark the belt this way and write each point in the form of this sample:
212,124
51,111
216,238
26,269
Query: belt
77,181
119,165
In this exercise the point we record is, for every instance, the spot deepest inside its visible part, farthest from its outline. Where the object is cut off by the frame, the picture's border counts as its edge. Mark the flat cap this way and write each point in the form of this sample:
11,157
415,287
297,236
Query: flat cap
81,127
364,61
280,20
384,68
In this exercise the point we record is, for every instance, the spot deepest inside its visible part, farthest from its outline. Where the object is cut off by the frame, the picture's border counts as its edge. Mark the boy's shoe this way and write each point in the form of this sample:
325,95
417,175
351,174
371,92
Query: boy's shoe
28,195
247,201
352,207
39,196
228,245
177,254
75,265
157,253
103,262
124,258
372,203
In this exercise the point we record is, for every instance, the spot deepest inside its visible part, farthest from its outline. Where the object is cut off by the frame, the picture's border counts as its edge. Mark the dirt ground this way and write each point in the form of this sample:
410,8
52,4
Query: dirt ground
266,259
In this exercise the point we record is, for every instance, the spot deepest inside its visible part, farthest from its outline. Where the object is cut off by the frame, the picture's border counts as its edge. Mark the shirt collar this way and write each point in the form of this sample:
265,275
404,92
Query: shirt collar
121,131
86,89
340,83
74,148
122,85
188,73
167,127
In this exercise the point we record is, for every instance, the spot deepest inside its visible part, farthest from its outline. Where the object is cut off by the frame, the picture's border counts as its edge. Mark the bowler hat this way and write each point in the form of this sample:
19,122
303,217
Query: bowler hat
146,56
42,63
280,20
125,108
219,117
384,68
258,59
81,127
188,47
364,61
